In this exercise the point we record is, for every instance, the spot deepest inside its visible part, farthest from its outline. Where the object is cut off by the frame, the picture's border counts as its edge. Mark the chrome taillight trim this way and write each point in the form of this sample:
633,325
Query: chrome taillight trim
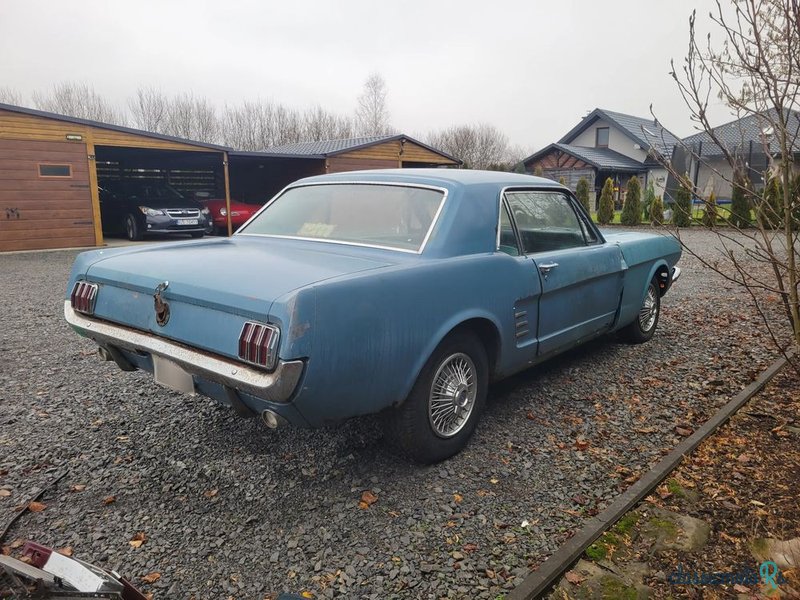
83,297
258,344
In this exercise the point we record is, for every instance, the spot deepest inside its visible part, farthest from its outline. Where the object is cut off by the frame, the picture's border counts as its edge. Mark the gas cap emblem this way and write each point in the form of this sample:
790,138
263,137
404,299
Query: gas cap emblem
161,307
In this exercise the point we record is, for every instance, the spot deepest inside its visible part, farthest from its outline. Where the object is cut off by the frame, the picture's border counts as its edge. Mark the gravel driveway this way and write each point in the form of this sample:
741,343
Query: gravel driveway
229,508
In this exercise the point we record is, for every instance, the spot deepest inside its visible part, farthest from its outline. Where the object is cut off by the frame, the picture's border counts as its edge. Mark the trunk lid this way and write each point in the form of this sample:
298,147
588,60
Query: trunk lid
214,286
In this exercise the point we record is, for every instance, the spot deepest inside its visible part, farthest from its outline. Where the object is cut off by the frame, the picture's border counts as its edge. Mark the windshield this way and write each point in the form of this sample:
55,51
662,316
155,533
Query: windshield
151,191
392,216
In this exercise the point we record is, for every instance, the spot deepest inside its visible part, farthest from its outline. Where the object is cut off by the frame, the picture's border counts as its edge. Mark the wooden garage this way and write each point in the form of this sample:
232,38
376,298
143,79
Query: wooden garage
49,171
50,165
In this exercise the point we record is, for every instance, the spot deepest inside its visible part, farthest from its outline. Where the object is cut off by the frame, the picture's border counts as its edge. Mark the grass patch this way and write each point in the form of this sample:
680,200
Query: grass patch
611,587
626,523
664,526
602,547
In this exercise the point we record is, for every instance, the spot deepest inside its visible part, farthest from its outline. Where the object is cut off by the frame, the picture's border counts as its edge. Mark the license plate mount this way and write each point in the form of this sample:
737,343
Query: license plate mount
187,221
172,375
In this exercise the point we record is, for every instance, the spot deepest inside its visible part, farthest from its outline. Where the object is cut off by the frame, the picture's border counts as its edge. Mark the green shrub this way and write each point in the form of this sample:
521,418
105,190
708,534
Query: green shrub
605,213
657,211
582,192
647,202
710,214
562,181
632,209
740,202
682,207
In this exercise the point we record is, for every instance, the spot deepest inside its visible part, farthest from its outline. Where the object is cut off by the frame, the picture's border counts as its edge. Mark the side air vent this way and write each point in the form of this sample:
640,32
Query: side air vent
521,323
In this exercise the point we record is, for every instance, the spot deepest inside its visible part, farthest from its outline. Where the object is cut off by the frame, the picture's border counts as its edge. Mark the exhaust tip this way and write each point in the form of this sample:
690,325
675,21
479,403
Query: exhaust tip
271,419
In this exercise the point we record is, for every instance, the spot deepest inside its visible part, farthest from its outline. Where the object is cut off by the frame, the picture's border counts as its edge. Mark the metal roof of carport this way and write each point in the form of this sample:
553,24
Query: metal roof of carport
101,125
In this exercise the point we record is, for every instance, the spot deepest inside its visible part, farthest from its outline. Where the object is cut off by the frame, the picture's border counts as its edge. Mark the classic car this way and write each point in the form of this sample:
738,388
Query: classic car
400,291
240,213
138,207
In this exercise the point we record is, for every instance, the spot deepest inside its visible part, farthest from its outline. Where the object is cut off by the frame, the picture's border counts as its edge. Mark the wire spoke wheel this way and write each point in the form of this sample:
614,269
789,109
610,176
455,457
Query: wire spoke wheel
452,395
649,311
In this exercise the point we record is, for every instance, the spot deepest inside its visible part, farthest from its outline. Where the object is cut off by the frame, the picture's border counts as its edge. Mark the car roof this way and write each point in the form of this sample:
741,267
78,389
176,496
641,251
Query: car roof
445,177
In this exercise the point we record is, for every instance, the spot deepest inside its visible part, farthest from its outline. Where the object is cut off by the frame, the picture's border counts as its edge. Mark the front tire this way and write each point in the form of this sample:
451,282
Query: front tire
132,229
441,412
644,326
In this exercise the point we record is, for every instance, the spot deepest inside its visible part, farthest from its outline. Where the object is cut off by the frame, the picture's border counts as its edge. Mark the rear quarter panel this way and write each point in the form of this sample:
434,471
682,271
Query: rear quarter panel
373,333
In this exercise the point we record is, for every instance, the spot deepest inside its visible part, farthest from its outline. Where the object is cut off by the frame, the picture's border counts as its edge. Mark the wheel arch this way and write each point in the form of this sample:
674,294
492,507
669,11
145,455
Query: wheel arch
487,329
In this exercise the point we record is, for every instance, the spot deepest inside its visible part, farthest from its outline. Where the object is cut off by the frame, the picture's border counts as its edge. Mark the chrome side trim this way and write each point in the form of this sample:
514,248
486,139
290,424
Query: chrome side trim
277,386
434,221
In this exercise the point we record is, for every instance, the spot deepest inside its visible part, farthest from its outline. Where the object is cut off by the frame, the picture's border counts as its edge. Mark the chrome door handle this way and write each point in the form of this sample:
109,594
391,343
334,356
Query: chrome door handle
545,268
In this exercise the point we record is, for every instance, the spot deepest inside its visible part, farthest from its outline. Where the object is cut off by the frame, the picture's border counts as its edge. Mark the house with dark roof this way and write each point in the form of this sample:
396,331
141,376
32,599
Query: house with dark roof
751,140
608,144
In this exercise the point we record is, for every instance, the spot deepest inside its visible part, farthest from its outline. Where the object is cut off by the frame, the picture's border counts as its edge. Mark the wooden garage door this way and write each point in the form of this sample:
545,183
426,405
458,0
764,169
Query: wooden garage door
45,201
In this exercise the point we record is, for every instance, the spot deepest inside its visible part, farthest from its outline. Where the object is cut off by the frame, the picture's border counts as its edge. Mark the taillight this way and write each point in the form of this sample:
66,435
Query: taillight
83,297
258,344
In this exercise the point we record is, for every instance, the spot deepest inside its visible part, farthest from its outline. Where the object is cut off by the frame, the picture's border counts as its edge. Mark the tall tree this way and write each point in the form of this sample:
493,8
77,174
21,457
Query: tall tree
582,192
10,96
148,107
479,146
78,100
754,71
632,207
372,113
605,212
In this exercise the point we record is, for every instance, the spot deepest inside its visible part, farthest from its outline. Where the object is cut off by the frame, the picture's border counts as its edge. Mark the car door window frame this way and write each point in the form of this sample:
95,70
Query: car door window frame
504,206
586,224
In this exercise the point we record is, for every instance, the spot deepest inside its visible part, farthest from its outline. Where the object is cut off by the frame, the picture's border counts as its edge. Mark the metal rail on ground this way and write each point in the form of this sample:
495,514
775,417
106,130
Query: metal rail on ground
540,581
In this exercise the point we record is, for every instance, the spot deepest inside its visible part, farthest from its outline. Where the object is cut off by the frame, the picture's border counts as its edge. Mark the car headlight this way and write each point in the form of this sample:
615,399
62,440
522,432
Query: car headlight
151,212
223,211
205,211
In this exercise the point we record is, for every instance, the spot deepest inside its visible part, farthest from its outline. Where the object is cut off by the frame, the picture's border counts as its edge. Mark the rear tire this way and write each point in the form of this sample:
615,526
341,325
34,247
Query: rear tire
644,326
440,414
132,229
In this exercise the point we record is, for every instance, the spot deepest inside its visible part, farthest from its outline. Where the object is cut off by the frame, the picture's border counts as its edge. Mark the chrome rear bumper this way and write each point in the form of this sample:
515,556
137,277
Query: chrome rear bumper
676,273
277,386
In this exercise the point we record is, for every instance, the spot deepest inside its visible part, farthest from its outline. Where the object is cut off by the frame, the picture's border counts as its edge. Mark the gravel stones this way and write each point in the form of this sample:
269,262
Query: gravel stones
556,445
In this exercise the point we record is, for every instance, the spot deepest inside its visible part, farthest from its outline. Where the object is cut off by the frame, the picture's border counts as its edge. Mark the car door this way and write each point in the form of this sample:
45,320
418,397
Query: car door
581,276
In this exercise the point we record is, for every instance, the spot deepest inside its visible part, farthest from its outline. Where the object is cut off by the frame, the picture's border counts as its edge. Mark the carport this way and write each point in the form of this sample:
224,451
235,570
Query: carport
51,165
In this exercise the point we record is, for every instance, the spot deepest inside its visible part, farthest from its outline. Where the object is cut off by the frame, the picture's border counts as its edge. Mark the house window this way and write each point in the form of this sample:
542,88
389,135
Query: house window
55,170
601,141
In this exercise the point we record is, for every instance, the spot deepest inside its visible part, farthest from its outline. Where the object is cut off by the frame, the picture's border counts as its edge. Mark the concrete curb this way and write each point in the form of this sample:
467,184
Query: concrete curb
541,580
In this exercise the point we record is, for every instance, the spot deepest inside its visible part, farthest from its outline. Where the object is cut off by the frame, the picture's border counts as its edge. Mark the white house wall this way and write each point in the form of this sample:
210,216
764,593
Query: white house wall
617,140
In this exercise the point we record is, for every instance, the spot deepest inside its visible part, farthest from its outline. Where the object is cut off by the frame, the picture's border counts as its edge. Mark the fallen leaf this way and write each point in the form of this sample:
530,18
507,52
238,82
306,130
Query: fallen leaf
66,550
683,431
367,500
36,506
494,481
490,574
757,503
5,550
5,493
574,578
307,594
151,577
78,487
109,500
740,589
138,539
458,498
211,493
469,548
581,444
17,543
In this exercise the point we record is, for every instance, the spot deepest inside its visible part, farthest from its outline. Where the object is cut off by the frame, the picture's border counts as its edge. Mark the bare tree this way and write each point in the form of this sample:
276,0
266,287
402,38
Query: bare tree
191,117
755,73
480,146
149,109
10,96
78,100
372,114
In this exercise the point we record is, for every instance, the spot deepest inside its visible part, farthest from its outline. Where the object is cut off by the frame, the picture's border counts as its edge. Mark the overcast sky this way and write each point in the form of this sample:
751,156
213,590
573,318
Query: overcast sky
531,68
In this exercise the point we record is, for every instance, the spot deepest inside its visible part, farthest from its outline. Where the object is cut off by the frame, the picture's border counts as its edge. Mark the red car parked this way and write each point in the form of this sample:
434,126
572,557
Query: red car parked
240,212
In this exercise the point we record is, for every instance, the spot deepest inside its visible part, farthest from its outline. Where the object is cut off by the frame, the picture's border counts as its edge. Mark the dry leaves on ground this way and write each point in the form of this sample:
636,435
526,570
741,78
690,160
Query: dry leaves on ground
138,539
36,506
151,577
367,500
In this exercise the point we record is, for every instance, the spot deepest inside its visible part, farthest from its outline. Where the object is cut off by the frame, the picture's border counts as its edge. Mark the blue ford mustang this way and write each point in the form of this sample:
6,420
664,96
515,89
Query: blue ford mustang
396,291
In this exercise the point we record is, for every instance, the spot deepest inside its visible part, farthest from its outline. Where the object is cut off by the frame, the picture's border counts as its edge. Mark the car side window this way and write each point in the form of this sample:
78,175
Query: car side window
506,238
545,220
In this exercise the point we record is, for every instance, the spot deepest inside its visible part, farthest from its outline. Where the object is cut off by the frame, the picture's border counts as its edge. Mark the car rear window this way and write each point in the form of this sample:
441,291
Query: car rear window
399,217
